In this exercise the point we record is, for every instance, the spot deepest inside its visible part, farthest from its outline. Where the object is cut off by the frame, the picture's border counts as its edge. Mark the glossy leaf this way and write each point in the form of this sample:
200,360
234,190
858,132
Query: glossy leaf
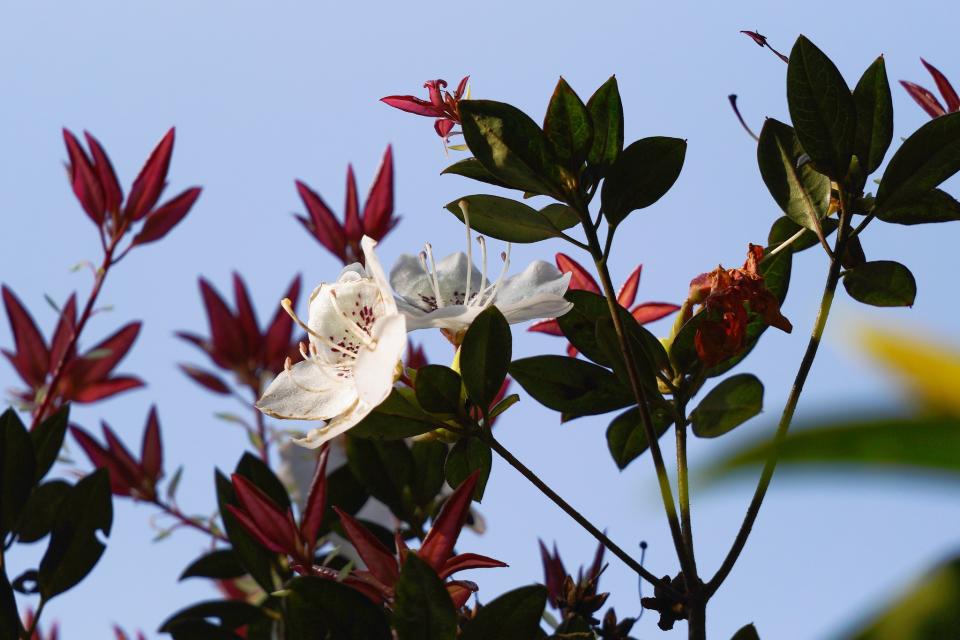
319,608
193,621
933,206
74,547
423,608
466,456
17,469
627,438
429,461
256,560
512,147
821,108
384,468
728,405
784,228
924,160
748,632
9,617
606,114
221,564
570,385
512,221
642,174
47,438
256,471
645,369
881,283
397,417
874,116
474,169
485,356
39,514
438,389
513,616
567,126
802,192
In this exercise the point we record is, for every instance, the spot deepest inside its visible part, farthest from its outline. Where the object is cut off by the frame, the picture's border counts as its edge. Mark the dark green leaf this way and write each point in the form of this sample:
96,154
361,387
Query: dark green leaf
9,617
928,611
934,206
474,169
229,614
890,444
221,564
423,609
384,468
47,439
485,356
468,455
513,616
571,385
822,109
748,632
257,560
429,457
345,492
881,283
627,438
319,608
606,114
728,405
784,228
874,116
74,548
642,174
256,471
17,469
608,340
512,147
802,192
776,274
40,512
567,126
438,389
512,221
923,161
397,417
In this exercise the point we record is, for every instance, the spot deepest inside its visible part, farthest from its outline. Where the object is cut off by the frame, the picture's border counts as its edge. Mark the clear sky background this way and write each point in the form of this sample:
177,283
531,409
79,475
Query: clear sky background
262,94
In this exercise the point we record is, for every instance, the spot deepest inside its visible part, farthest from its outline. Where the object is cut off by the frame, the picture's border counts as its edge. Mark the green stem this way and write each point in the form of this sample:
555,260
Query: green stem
683,489
826,301
486,436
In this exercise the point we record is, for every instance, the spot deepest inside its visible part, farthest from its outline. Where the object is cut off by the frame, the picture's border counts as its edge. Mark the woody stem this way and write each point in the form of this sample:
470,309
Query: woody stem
826,301
486,436
186,521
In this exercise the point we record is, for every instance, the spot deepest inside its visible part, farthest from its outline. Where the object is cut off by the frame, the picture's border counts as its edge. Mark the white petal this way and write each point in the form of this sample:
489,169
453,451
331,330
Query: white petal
307,392
375,271
538,278
545,305
454,318
412,283
360,300
415,285
375,369
340,424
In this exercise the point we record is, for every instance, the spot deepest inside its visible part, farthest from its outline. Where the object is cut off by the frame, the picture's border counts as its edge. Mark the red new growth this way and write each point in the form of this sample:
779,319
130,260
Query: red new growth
442,105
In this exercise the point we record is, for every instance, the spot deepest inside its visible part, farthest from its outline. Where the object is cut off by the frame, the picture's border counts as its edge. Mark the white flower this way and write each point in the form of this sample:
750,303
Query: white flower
356,342
451,293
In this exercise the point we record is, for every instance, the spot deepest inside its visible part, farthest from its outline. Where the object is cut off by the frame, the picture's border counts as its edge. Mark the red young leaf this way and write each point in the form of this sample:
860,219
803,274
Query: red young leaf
551,327
464,561
650,311
628,292
151,450
581,278
460,591
119,482
32,358
381,563
268,518
413,104
312,517
946,89
159,223
83,179
461,88
378,209
149,184
438,546
276,342
322,224
106,388
246,316
112,193
206,379
554,572
924,98
105,355
64,333
352,225
124,460
254,529
443,127
224,331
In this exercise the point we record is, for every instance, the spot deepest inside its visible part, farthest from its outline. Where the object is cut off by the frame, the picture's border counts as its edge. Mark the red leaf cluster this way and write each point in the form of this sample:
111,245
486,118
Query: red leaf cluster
376,220
728,296
85,378
96,186
128,476
236,343
582,280
925,98
442,105
555,574
379,579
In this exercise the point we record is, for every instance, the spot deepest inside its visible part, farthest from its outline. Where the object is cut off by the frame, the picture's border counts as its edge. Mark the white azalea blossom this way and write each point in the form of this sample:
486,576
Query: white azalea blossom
450,294
356,342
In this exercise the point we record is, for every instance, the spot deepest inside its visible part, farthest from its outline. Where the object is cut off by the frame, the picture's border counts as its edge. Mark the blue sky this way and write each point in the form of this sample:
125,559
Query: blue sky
261,96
